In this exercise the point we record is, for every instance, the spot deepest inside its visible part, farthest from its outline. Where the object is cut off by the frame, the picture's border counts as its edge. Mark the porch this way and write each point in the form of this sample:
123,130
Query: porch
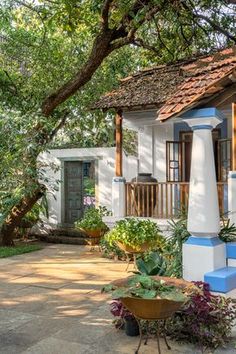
164,151
165,200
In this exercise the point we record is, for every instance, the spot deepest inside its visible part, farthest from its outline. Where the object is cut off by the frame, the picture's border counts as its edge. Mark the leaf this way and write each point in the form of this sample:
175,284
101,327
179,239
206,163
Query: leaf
173,295
144,293
108,288
119,293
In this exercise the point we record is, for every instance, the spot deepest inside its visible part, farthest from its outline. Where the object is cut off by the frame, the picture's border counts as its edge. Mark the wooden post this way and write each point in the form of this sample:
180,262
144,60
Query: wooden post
118,122
233,136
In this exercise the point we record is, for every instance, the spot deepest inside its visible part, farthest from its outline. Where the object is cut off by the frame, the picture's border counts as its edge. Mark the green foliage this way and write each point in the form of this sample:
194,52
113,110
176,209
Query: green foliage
145,287
227,231
13,251
134,232
89,186
173,249
92,219
151,264
111,250
44,44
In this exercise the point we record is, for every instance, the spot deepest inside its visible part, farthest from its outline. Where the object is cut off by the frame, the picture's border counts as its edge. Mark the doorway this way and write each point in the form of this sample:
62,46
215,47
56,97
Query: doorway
79,189
73,191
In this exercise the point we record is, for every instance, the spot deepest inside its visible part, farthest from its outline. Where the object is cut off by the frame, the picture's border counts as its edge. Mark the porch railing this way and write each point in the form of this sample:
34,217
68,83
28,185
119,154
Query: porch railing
164,199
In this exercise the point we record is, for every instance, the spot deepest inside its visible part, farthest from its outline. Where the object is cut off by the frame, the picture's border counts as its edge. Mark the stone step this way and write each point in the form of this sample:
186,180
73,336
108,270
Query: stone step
231,250
222,280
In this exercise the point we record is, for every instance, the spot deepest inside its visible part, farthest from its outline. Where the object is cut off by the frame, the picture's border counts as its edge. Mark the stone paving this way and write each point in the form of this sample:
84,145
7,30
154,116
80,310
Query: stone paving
50,303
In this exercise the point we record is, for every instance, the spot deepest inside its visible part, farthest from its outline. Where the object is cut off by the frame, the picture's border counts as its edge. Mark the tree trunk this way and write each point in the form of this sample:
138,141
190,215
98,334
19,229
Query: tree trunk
17,213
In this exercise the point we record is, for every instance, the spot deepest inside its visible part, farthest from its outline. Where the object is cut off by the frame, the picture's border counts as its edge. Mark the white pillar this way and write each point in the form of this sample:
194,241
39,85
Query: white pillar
118,196
203,252
232,196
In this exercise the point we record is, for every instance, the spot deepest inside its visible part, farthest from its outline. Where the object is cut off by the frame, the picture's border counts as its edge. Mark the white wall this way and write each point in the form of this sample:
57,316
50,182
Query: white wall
162,133
152,136
104,171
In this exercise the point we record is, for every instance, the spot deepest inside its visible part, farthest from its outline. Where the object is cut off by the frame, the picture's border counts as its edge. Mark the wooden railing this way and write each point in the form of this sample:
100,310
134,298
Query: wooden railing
165,199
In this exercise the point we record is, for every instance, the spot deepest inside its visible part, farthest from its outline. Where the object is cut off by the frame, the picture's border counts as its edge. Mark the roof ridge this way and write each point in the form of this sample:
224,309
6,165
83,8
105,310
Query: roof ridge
181,63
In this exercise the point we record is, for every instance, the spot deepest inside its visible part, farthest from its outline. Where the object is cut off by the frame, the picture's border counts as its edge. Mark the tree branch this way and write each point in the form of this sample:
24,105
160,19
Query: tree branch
215,26
105,13
58,127
139,42
106,41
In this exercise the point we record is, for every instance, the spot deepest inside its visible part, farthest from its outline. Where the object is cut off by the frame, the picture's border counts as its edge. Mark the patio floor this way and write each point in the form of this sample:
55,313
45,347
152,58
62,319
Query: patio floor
50,303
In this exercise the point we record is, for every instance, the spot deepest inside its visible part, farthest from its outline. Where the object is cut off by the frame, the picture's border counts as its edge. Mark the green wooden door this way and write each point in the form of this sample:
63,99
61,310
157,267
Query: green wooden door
73,191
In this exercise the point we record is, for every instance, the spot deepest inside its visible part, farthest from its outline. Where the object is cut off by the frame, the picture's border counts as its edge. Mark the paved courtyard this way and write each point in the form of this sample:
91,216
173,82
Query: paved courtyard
50,303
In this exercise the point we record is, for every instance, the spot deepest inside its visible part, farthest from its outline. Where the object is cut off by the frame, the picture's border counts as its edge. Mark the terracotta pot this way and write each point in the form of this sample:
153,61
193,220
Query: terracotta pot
153,309
94,236
129,249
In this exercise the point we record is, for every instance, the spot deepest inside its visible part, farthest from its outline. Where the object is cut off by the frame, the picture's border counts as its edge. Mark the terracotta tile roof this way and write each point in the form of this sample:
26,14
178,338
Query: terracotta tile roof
173,88
203,79
150,87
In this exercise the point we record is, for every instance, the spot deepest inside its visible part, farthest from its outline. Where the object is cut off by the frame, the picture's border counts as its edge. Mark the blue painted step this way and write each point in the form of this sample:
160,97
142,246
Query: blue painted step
222,280
231,250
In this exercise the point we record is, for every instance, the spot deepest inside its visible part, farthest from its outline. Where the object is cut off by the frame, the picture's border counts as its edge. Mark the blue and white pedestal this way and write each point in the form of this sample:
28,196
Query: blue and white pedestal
118,196
203,252
202,255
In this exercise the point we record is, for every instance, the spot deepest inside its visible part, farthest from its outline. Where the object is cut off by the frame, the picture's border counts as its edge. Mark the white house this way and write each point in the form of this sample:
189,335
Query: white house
186,118
152,103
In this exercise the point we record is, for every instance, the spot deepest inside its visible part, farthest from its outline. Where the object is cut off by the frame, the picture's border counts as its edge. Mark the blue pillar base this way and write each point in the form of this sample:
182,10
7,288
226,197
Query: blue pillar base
202,255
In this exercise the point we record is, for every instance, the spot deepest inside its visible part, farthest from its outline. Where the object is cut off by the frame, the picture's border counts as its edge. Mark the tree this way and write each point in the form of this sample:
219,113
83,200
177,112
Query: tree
53,53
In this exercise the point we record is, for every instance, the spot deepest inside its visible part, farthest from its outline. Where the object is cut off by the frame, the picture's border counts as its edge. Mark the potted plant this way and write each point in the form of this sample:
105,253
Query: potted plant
134,235
148,297
92,224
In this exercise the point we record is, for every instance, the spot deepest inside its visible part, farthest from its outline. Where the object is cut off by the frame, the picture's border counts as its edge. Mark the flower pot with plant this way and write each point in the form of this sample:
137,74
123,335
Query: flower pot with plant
149,298
133,235
92,224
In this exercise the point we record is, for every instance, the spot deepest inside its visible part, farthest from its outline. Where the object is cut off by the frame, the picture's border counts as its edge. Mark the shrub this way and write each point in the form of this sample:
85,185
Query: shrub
174,244
111,250
134,232
227,231
206,320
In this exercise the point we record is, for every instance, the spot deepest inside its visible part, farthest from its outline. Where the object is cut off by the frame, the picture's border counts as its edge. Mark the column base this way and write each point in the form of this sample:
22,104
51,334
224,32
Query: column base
202,255
118,197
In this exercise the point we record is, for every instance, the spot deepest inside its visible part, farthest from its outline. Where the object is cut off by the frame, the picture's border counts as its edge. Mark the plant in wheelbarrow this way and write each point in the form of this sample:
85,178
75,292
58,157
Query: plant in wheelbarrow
150,298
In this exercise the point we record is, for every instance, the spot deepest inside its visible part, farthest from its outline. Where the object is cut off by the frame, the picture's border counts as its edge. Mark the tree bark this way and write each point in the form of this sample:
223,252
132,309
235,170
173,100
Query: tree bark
17,213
